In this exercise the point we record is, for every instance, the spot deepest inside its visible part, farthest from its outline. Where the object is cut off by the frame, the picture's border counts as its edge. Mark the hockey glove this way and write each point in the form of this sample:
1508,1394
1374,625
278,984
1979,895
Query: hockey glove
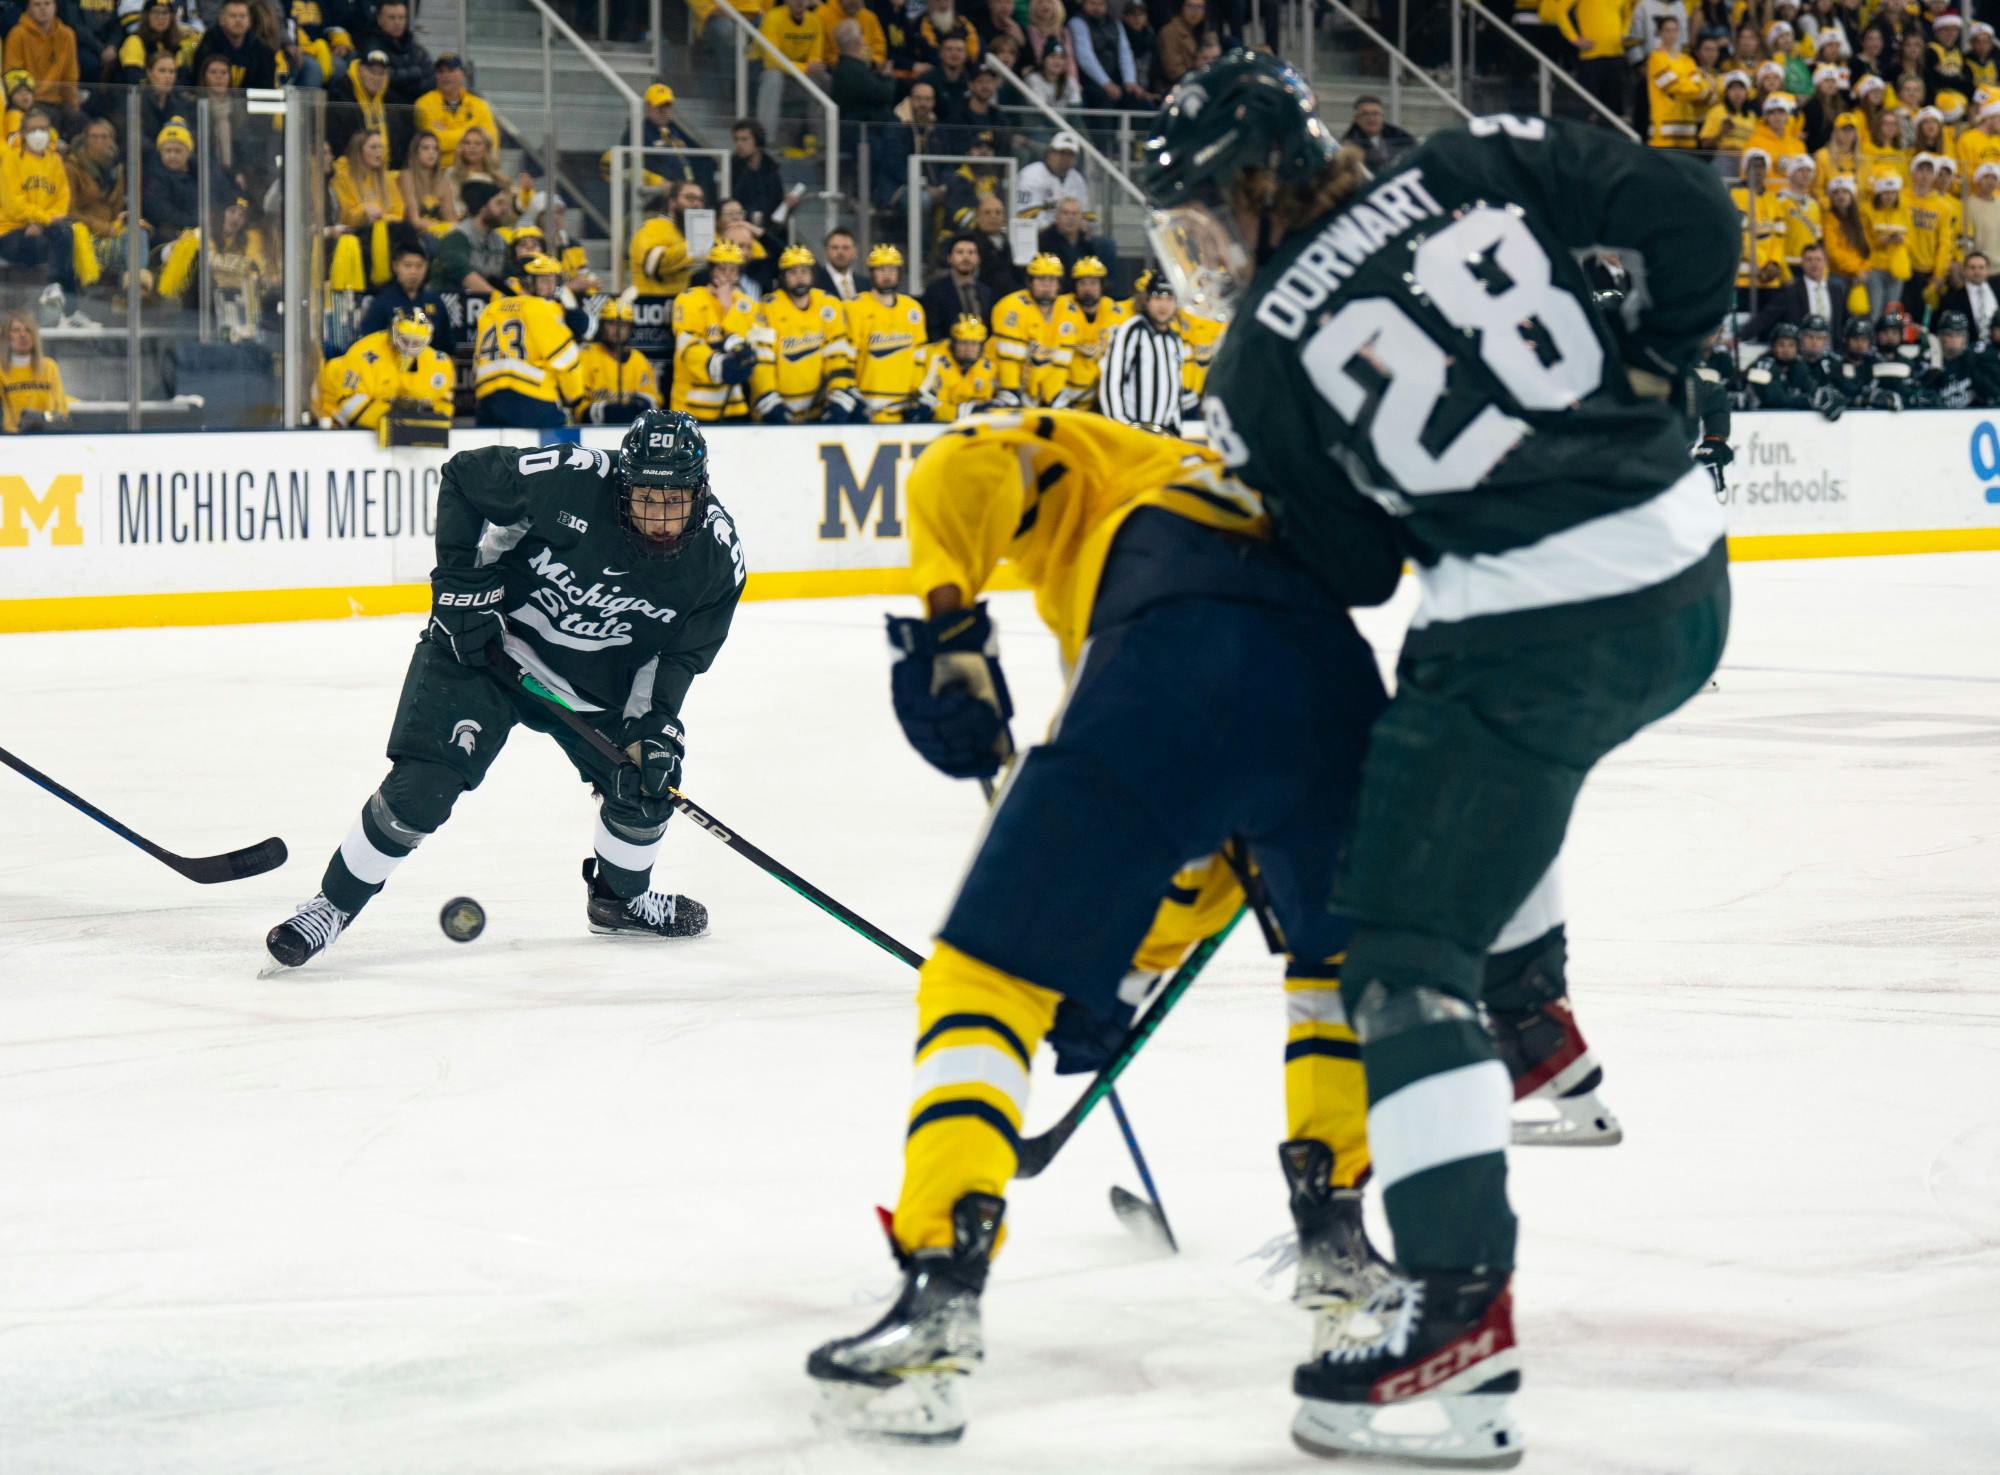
465,613
770,409
1829,401
844,407
1714,451
1084,1040
920,411
732,363
656,747
1884,399
1009,399
949,692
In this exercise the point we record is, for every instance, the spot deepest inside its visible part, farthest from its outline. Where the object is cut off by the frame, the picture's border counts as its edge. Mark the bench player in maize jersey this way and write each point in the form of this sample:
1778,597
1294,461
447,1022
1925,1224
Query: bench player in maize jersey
612,580
1426,345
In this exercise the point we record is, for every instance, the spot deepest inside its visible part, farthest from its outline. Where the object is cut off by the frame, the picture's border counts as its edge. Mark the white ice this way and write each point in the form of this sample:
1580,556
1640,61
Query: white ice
550,1203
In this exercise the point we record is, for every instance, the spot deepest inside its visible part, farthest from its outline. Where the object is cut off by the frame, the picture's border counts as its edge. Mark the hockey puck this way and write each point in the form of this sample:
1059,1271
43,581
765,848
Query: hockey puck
462,919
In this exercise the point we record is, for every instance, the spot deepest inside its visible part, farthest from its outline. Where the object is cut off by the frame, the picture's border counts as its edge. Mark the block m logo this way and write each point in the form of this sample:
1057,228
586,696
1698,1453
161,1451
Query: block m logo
53,511
877,484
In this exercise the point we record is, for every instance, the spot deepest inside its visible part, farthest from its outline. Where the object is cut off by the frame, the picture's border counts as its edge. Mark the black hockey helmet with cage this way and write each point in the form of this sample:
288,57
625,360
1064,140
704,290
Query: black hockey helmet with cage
1242,112
663,449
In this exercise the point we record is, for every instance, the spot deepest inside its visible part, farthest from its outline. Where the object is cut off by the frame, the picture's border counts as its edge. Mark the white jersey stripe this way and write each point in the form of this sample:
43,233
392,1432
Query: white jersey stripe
1619,553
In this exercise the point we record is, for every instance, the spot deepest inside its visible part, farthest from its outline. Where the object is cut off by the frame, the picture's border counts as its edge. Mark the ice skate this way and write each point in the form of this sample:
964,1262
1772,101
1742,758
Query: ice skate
1339,1271
1555,1079
307,933
1432,1387
650,914
900,1379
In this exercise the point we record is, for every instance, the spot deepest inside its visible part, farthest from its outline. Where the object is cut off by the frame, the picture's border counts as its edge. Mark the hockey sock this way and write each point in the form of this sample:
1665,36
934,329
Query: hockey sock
1200,900
1326,1094
625,854
1440,1105
977,1029
368,856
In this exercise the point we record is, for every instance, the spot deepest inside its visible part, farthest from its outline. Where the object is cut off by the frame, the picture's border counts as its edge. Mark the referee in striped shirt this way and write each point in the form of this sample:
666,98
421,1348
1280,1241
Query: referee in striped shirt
1140,375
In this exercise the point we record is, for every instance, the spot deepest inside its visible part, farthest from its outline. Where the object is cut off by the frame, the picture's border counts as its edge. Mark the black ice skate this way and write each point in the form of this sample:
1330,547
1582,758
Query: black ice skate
900,1379
1555,1075
1340,1271
650,914
1432,1388
307,933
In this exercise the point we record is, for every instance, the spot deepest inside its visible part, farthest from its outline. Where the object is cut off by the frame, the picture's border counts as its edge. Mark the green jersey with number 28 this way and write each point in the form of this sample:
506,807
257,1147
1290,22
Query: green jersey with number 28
1430,348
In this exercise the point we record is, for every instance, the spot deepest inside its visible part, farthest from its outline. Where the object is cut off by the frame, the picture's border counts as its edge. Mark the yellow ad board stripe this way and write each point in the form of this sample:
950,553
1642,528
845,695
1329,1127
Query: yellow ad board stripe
256,606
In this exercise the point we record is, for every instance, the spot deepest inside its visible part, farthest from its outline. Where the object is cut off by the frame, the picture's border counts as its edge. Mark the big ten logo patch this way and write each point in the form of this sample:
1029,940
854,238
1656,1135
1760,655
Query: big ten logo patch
851,495
1985,452
22,509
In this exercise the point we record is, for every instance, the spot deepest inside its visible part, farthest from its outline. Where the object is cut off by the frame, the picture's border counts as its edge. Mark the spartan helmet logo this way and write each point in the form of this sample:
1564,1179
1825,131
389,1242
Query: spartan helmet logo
462,734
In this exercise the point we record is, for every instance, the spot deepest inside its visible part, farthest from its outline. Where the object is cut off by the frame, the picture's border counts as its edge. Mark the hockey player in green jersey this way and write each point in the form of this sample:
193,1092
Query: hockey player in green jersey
1425,343
612,581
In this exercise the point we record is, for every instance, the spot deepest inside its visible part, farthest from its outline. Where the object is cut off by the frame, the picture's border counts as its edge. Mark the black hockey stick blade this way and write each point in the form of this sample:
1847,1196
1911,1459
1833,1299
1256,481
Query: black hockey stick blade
233,865
1144,1219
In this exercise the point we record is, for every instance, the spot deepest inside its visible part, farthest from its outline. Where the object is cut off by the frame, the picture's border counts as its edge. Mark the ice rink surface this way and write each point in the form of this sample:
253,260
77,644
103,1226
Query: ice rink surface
562,1205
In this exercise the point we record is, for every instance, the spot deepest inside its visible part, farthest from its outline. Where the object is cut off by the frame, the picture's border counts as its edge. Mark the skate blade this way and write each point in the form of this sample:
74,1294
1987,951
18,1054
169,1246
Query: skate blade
1565,1121
1478,1431
920,1408
643,935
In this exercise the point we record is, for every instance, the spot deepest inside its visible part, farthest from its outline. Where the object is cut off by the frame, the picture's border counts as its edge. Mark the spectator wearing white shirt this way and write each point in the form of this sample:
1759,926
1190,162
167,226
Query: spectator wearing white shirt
1976,298
1055,177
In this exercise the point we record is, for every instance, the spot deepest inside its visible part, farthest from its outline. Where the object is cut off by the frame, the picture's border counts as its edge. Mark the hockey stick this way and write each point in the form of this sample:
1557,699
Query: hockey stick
1145,1215
1037,1152
234,865
612,753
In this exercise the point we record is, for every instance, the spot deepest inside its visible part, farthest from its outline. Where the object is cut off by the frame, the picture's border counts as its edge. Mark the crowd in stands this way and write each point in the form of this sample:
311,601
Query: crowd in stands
1861,143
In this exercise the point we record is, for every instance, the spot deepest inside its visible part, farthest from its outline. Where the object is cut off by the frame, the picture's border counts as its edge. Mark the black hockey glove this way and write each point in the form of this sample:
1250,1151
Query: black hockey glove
1084,1040
733,361
655,745
770,409
1883,399
949,692
1829,401
920,411
844,407
1714,451
465,613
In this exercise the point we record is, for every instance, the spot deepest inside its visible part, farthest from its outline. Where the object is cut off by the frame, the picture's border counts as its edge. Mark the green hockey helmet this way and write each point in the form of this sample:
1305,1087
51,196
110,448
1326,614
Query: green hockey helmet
663,454
1785,330
1950,326
1242,112
1815,323
1859,330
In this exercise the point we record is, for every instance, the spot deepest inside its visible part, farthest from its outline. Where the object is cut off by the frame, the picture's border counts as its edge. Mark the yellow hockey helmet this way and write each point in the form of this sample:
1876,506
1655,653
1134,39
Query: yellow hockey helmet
616,311
968,329
725,253
884,255
541,265
1047,264
793,256
1088,266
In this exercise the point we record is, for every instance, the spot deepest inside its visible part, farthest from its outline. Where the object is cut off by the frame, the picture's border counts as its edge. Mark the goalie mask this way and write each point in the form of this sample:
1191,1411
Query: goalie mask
663,474
410,335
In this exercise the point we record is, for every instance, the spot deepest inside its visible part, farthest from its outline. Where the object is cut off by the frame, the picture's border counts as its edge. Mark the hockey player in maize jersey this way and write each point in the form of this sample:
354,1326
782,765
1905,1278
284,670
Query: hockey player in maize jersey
612,581
1424,344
